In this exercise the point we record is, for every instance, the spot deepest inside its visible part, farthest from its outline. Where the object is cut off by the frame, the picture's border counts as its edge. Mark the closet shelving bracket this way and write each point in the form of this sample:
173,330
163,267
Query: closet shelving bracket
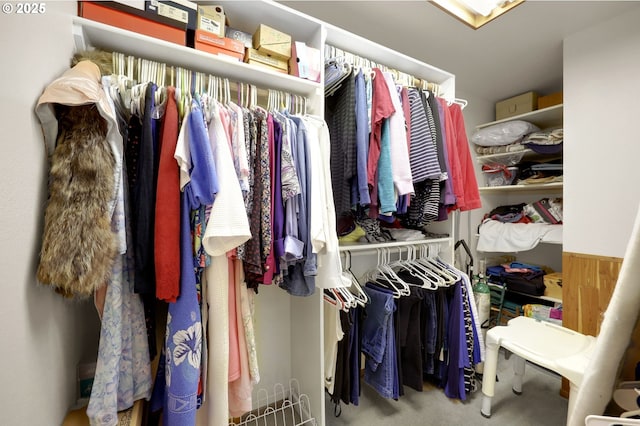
79,38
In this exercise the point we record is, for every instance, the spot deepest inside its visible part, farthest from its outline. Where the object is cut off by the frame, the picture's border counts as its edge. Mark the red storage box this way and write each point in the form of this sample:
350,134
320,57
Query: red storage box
211,43
117,18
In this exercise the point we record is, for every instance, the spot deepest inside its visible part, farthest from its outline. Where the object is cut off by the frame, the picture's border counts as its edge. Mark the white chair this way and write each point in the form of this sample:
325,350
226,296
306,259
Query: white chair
551,346
593,420
590,364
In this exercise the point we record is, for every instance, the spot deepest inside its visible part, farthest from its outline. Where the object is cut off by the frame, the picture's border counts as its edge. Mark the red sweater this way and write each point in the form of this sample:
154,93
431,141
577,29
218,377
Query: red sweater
167,224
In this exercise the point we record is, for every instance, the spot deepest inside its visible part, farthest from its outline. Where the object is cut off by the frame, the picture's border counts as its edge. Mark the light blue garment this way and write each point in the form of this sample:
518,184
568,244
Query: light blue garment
375,326
300,277
123,370
386,191
362,141
369,89
383,376
293,247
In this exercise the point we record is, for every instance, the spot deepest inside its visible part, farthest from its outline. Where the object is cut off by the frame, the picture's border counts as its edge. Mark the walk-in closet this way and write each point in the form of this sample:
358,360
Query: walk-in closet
269,212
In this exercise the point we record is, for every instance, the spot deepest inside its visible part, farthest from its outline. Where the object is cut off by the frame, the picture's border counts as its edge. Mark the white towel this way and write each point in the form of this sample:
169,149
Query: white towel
512,237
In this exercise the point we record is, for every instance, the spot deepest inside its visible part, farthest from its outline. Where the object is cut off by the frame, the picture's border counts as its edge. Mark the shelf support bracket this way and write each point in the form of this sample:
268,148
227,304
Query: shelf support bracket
79,38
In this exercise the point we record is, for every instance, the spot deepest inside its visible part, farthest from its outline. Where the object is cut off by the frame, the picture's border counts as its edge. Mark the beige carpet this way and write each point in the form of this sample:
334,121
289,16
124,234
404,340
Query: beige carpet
539,405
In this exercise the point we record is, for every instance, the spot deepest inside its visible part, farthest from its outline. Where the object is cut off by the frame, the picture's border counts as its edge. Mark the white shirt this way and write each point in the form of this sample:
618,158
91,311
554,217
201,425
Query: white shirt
323,235
400,168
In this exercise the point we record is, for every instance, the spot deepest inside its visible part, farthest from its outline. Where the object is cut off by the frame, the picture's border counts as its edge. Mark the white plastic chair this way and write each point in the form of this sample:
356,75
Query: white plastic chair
551,346
590,364
593,420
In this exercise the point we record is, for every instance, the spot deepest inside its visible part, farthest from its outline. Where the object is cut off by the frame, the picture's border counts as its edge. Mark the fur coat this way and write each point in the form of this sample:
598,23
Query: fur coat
78,244
84,147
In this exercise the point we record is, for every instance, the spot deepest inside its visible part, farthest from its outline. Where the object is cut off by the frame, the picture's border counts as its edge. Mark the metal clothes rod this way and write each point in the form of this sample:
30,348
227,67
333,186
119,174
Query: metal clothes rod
401,77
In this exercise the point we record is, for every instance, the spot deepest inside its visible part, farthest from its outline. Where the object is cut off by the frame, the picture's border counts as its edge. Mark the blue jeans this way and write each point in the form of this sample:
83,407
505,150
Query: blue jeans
378,343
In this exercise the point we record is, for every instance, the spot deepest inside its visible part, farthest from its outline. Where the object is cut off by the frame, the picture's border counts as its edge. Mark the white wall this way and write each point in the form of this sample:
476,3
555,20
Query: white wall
602,147
43,336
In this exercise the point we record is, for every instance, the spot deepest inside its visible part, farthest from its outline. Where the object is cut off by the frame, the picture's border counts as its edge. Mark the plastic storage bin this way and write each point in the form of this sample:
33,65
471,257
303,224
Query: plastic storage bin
500,176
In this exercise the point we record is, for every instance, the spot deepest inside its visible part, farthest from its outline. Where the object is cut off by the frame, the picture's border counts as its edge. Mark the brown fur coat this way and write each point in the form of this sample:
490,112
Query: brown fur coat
78,245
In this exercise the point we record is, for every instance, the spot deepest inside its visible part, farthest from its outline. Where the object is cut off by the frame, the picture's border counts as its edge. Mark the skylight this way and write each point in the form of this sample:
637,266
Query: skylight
476,13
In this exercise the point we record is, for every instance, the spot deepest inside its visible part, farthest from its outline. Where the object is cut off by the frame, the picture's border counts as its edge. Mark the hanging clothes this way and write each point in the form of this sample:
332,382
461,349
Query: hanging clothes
322,219
167,208
78,245
341,114
433,336
378,343
360,187
300,276
381,109
402,179
122,370
183,340
228,227
468,176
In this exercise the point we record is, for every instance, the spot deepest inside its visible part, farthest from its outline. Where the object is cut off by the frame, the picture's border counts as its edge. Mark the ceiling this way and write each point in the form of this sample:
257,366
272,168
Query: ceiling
518,52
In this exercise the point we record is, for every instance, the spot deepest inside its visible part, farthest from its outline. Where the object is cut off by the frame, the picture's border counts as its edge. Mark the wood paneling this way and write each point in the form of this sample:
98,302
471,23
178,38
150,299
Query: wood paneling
587,285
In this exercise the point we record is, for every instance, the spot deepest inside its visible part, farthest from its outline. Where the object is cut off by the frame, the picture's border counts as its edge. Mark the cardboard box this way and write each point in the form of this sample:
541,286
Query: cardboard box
252,56
212,19
180,10
235,34
106,14
517,105
272,42
304,61
138,4
133,8
553,283
211,43
550,100
183,11
130,417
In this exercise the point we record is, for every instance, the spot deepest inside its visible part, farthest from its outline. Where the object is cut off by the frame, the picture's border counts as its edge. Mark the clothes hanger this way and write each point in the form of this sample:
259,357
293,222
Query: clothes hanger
227,91
404,264
361,296
433,280
347,297
386,277
462,102
331,298
448,278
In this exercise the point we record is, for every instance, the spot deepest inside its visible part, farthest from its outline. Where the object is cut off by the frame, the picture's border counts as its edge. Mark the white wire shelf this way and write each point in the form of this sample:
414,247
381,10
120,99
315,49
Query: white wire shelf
284,407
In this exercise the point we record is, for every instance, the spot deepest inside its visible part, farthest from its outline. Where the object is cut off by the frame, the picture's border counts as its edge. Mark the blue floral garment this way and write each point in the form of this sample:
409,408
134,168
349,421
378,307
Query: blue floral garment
184,334
123,371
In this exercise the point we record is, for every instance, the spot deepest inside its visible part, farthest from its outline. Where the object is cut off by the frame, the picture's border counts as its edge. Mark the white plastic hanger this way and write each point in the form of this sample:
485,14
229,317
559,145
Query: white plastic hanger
385,276
361,296
408,264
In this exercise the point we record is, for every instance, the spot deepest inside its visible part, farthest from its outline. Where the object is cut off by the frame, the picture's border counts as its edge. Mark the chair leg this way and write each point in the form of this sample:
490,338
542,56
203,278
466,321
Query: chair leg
573,392
489,374
518,370
485,410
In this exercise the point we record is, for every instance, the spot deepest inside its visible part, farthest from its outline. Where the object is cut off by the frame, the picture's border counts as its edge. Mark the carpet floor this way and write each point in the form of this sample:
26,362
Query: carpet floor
539,405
